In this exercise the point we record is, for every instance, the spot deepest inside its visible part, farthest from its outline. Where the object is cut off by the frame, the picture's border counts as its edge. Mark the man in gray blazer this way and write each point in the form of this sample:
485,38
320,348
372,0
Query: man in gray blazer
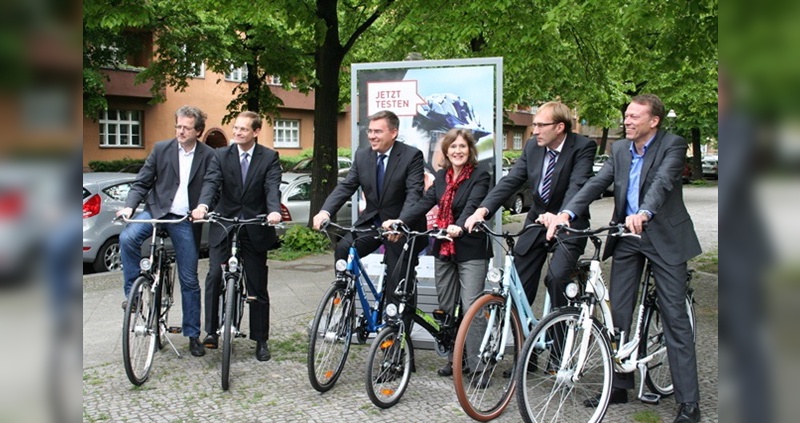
646,171
573,155
170,183
402,180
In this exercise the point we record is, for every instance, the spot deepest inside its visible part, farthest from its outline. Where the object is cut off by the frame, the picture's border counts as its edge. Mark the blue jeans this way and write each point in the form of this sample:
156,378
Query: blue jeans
186,256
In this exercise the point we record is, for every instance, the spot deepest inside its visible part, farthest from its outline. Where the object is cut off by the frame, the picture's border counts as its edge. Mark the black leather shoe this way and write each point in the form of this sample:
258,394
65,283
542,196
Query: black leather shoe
211,342
196,348
446,370
618,396
483,381
262,351
688,413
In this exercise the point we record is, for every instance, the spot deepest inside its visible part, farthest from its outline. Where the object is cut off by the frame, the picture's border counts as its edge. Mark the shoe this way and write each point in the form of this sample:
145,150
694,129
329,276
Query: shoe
446,370
618,396
196,348
124,305
211,341
262,351
688,413
483,382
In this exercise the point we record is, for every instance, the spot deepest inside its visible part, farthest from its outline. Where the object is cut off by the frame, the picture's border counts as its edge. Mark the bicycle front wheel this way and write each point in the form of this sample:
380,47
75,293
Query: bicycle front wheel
227,331
139,332
388,367
554,378
484,377
329,338
659,374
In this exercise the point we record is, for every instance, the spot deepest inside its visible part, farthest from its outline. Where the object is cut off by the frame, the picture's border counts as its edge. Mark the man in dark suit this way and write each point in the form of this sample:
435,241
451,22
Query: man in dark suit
401,171
646,171
570,156
170,180
243,180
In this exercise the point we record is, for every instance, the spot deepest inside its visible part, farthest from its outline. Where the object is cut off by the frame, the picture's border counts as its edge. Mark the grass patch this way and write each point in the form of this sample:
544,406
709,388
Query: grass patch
294,347
647,416
707,262
285,254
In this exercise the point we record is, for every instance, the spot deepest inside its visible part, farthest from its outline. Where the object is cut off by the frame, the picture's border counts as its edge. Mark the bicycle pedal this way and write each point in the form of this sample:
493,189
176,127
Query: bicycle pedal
650,398
174,329
241,335
249,300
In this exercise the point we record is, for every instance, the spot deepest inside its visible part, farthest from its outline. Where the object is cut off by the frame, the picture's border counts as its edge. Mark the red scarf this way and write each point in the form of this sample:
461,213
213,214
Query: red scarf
445,217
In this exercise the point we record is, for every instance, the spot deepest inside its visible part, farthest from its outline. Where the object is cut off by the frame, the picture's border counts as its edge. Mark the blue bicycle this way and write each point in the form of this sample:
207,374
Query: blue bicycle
335,320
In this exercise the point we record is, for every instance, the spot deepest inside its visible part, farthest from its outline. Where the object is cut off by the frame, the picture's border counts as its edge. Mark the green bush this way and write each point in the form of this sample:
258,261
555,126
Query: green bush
304,239
113,165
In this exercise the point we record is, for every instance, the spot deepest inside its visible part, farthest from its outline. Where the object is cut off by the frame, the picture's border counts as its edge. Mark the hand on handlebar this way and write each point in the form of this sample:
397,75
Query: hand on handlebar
320,219
199,213
554,223
274,218
125,212
454,231
635,223
478,216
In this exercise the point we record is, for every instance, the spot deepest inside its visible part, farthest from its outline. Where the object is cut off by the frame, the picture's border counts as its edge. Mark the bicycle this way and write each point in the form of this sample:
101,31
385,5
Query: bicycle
330,334
583,347
497,323
144,326
389,363
234,290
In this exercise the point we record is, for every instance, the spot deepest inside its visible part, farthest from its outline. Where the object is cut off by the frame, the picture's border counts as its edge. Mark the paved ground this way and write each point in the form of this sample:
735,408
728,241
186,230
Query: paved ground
188,388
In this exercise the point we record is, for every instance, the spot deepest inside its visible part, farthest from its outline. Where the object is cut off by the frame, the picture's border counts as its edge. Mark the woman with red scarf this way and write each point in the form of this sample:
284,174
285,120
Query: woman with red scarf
458,190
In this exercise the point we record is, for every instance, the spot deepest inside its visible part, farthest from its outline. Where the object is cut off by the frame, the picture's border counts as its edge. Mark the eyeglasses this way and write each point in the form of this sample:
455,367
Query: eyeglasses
185,128
542,125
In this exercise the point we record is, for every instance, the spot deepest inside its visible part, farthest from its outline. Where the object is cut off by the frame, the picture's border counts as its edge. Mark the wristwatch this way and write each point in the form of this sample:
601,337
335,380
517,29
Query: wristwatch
645,213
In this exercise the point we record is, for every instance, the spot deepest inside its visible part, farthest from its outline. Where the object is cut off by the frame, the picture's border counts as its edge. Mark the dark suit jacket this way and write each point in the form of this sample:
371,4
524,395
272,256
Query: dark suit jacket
157,181
661,192
470,246
573,169
402,185
260,195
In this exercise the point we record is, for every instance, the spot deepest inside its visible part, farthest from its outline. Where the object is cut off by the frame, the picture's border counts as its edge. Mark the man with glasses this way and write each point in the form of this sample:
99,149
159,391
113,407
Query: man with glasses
170,182
555,164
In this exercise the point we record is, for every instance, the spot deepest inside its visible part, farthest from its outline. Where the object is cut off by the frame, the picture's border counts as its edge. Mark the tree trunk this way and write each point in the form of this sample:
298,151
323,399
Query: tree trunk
603,141
697,164
328,59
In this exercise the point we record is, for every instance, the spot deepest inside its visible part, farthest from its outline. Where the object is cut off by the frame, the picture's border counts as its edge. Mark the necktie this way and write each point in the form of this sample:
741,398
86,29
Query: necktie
548,176
245,166
379,172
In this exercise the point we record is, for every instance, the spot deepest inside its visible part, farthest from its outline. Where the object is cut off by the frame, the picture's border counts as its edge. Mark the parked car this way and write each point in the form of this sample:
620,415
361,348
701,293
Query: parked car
104,193
598,164
710,166
296,200
304,166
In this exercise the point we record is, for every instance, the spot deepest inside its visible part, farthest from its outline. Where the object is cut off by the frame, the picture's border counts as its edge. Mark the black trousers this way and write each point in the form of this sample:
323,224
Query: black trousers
529,266
255,266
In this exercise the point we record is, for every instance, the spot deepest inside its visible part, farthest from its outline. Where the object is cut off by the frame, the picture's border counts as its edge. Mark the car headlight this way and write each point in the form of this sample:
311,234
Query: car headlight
233,264
494,275
341,265
571,290
146,264
391,310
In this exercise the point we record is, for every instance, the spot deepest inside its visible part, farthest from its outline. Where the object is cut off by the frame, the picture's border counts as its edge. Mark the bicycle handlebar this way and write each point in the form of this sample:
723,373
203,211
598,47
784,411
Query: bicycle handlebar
152,221
435,232
260,219
482,226
618,229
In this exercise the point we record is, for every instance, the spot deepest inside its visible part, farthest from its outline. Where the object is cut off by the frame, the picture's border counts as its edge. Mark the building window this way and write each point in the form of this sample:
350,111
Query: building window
121,128
505,140
517,141
237,74
274,80
287,133
198,71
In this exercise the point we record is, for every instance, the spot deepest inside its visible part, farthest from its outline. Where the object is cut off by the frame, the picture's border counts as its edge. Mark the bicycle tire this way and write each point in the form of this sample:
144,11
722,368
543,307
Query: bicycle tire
659,376
551,394
329,338
484,392
139,336
388,367
227,332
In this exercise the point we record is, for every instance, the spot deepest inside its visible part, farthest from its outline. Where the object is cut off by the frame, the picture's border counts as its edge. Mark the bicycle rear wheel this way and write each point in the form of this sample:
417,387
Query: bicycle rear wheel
329,338
550,386
485,389
659,375
227,331
139,332
388,367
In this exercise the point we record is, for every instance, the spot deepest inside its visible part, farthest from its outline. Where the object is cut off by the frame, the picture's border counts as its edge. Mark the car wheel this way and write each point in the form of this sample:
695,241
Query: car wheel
519,204
108,257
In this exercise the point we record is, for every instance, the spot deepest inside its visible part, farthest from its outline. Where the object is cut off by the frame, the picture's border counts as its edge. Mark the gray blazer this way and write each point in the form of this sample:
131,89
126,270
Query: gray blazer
671,229
157,181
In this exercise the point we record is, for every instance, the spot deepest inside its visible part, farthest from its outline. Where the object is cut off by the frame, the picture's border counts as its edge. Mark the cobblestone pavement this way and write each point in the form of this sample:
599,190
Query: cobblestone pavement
188,388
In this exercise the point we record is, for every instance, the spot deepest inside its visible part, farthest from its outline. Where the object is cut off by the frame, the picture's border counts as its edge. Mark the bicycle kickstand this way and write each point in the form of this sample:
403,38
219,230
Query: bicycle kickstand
166,330
646,397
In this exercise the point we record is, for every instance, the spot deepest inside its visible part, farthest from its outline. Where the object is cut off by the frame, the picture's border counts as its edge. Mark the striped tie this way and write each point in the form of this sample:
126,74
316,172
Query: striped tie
548,176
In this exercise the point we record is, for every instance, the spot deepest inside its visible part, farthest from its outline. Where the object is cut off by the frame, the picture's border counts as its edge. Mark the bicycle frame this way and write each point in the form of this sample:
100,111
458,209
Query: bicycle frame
356,271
